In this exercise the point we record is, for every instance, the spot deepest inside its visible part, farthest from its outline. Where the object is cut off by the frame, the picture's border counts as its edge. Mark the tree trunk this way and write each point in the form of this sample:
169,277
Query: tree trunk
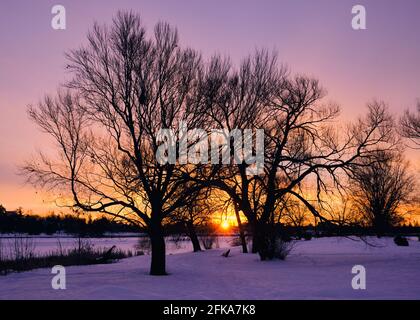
193,236
158,264
254,231
241,230
254,243
265,237
243,240
261,244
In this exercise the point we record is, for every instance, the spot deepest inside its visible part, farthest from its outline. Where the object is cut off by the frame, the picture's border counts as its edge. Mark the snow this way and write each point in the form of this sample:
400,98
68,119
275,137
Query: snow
316,269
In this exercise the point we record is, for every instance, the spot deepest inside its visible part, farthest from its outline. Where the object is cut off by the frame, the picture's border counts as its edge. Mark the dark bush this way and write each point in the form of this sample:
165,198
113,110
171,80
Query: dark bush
274,243
307,236
401,241
282,249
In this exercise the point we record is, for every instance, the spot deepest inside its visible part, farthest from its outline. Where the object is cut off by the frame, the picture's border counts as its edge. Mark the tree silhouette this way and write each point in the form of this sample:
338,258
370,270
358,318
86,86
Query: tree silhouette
301,141
379,188
125,88
410,126
195,215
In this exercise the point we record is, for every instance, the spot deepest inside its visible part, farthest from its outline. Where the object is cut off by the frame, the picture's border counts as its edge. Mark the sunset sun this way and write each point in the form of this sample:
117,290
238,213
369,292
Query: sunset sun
225,225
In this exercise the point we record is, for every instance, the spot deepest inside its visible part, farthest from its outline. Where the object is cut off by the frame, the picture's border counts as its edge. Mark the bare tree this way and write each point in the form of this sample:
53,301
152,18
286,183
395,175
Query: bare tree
236,100
125,88
380,188
195,215
303,145
345,211
301,140
410,126
292,212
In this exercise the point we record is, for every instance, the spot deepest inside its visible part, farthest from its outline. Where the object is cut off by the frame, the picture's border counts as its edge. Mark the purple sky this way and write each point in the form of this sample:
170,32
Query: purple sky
312,36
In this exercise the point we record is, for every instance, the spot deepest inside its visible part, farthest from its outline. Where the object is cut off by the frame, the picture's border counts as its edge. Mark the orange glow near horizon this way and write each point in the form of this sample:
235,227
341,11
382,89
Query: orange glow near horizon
225,225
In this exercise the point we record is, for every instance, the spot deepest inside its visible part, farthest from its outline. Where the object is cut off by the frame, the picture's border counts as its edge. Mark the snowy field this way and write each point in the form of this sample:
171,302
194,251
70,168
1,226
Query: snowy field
316,269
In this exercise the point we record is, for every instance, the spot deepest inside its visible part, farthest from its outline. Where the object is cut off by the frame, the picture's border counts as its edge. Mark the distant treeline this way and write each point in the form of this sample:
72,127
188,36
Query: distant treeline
19,222
328,230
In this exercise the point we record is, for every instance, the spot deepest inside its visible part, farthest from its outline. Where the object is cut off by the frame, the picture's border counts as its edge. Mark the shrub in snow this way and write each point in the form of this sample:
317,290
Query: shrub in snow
22,248
208,241
236,242
282,249
22,257
83,245
401,241
275,247
177,240
144,245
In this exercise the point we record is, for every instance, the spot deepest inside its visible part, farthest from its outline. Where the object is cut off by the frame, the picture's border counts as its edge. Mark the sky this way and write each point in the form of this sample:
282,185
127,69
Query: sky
313,37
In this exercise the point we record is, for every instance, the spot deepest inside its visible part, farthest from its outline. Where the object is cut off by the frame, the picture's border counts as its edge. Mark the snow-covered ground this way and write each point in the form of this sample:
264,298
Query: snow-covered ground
316,269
